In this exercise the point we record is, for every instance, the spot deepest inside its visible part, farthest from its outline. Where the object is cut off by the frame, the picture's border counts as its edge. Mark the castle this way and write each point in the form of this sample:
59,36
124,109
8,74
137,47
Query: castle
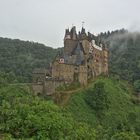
83,57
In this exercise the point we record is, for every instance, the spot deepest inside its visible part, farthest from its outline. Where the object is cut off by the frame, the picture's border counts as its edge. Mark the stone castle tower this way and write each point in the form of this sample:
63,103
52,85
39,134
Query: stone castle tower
83,57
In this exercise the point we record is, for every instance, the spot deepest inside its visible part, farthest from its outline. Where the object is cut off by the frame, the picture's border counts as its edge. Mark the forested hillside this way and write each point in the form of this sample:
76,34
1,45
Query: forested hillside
19,58
24,116
109,107
124,50
105,110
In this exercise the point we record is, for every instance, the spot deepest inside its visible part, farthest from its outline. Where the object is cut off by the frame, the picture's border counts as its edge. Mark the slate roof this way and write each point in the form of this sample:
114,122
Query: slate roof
80,48
79,52
76,57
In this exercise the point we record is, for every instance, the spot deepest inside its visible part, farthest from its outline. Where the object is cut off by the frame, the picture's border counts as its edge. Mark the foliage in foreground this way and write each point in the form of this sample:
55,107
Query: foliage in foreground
125,136
118,112
113,116
26,116
97,98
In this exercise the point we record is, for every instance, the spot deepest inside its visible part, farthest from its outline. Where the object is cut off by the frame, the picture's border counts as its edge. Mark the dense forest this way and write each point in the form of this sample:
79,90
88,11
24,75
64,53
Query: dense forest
19,58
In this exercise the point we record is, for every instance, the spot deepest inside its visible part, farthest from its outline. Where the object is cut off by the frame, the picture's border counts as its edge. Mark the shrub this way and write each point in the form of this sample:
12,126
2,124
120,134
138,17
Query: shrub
97,98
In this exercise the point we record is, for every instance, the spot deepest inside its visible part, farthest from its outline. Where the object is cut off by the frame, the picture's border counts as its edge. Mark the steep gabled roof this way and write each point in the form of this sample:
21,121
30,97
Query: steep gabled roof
79,52
78,47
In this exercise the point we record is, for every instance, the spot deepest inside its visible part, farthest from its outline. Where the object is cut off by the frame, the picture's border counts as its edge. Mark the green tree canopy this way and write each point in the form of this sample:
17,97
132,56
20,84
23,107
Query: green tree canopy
97,98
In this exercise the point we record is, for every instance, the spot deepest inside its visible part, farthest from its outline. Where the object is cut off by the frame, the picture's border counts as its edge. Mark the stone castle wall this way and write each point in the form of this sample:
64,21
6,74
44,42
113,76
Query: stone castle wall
83,75
63,71
70,73
37,88
47,87
51,85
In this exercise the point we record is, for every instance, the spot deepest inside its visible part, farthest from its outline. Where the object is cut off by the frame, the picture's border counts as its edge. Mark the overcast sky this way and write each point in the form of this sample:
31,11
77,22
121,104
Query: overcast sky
44,21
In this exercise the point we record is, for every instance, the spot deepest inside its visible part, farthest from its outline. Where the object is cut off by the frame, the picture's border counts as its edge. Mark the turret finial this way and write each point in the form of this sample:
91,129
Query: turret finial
83,23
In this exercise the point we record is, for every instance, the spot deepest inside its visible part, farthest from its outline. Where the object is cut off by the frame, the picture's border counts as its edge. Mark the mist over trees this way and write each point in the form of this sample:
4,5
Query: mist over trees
124,51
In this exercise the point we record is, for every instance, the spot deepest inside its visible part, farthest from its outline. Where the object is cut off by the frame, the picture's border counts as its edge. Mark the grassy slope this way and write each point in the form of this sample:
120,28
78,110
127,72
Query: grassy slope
80,110
120,104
